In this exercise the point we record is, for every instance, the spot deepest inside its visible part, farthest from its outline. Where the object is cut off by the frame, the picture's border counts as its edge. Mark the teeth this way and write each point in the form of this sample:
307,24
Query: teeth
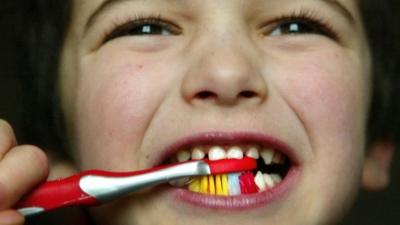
259,180
183,156
278,158
276,178
252,152
232,184
216,153
268,180
198,153
267,155
235,152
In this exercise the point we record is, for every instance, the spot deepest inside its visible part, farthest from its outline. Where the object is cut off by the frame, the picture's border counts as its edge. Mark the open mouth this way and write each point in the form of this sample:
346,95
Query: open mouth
273,166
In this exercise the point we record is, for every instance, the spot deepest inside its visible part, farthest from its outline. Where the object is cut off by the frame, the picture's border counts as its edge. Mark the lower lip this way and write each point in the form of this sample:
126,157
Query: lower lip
240,202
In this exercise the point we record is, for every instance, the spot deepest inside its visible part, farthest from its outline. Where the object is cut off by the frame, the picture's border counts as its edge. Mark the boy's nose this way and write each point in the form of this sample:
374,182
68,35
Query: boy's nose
224,75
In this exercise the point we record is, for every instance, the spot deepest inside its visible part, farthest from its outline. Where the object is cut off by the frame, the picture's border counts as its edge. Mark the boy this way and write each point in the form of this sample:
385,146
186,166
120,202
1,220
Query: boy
141,83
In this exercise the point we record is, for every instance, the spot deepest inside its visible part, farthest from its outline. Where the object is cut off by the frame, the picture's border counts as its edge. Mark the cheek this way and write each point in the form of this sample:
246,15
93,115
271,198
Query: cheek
329,98
115,102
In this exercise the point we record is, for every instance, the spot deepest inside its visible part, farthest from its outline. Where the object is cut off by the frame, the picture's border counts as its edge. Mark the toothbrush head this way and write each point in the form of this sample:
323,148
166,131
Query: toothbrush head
231,165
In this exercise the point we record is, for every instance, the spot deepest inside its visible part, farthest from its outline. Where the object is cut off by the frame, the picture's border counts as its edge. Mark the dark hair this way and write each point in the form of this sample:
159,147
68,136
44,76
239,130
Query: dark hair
381,19
41,35
44,24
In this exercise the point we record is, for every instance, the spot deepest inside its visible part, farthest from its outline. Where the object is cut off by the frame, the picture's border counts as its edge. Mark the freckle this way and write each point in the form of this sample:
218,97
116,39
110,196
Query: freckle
147,156
140,66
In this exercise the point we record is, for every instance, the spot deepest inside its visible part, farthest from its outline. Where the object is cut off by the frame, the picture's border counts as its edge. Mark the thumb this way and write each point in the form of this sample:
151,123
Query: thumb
11,217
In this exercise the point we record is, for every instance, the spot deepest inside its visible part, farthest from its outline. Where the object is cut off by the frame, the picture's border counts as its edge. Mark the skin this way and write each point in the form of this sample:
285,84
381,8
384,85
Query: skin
127,98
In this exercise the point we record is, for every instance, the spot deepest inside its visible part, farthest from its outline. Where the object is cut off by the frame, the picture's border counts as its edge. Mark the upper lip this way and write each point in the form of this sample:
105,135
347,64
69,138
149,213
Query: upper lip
226,138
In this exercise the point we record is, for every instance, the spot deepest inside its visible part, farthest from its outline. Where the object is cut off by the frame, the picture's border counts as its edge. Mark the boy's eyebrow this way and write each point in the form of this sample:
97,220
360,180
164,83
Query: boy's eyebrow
104,6
338,6
107,4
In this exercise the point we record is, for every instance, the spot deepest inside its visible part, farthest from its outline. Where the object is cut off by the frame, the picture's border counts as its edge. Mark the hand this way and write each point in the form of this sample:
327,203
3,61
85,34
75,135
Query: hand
21,168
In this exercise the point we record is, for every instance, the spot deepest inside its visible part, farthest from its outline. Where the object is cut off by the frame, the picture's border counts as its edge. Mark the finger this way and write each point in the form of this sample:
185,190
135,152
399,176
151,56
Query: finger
11,217
7,138
21,169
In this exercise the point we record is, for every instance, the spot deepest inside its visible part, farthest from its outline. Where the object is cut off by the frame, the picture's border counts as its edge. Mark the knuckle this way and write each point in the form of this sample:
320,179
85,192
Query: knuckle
6,127
22,168
35,156
7,138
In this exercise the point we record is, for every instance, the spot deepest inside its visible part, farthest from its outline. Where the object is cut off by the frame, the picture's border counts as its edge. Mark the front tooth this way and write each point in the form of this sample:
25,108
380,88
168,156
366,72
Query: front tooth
252,152
216,153
268,180
267,155
259,180
183,156
235,152
198,153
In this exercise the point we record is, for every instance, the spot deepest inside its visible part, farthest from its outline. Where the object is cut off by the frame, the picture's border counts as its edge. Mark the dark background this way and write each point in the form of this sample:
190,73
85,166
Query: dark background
380,208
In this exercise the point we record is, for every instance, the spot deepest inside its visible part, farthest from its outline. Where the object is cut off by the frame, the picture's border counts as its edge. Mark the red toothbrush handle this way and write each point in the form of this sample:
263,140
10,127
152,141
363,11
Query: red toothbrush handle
57,194
232,165
67,192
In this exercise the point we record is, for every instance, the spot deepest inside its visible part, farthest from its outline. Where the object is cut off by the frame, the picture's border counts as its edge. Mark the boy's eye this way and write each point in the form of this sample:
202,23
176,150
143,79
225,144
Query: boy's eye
149,29
294,28
301,26
144,27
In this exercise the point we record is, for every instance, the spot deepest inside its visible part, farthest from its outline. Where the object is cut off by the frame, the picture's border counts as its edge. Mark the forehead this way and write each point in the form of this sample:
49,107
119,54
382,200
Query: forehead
86,13
85,8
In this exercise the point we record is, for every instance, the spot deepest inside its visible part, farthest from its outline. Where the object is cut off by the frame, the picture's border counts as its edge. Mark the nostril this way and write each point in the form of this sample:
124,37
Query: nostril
205,95
247,94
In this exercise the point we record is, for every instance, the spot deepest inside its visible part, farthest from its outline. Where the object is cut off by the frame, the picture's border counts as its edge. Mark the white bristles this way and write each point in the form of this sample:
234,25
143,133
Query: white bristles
234,185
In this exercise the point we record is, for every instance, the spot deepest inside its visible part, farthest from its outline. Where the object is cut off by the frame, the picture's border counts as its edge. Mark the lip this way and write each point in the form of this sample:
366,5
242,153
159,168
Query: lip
234,203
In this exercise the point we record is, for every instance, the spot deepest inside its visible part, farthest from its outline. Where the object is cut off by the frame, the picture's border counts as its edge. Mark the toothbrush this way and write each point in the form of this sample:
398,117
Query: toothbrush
95,187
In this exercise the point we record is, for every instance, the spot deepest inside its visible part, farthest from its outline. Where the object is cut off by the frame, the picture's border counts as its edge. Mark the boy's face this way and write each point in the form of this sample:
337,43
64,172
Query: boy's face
140,76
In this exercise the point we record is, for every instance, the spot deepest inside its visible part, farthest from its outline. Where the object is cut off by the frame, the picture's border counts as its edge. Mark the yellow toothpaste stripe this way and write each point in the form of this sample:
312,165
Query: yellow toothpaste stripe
225,184
204,184
211,185
214,185
218,184
194,185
